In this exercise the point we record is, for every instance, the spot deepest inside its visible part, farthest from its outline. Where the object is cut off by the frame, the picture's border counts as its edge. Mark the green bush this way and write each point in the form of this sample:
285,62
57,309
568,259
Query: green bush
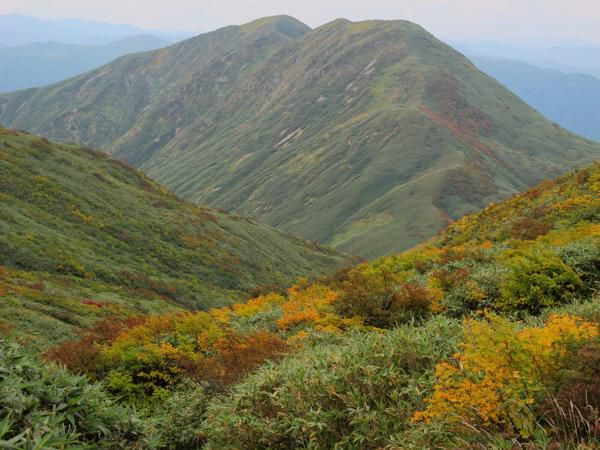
177,422
43,406
538,279
584,257
355,394
481,290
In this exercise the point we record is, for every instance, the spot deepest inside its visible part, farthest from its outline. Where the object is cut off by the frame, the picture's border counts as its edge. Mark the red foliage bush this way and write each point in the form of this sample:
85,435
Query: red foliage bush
528,228
140,281
5,328
421,266
413,298
450,279
237,355
87,301
81,355
36,286
574,404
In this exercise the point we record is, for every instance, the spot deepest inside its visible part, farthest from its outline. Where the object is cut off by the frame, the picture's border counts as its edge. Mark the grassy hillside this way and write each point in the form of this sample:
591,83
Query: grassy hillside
487,336
369,136
84,237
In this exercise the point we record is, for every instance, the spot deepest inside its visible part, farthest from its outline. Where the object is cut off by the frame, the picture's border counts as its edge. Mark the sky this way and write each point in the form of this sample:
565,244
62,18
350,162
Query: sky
499,20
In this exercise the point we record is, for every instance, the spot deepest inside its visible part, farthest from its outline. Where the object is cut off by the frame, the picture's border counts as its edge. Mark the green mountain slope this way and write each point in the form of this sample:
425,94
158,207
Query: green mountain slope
368,136
83,237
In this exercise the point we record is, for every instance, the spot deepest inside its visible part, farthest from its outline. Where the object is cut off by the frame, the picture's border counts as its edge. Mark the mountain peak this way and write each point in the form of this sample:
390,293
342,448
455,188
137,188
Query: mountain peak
370,24
284,24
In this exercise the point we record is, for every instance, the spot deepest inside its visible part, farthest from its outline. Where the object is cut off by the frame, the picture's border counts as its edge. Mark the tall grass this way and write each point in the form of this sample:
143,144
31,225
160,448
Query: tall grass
43,406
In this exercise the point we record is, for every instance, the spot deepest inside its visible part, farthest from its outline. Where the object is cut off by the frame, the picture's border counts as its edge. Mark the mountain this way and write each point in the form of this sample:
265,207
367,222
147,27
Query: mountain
37,64
565,57
571,100
83,237
18,30
367,136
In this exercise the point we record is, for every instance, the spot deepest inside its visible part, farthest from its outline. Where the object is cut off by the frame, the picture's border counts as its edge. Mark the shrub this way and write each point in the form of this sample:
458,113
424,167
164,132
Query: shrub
528,228
584,257
82,355
237,355
152,357
177,422
449,279
414,301
306,305
572,407
369,292
501,374
537,279
479,291
45,406
354,394
143,359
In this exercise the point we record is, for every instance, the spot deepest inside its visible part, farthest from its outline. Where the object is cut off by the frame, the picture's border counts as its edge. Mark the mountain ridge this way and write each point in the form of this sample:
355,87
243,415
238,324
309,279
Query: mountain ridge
568,99
39,64
370,136
20,29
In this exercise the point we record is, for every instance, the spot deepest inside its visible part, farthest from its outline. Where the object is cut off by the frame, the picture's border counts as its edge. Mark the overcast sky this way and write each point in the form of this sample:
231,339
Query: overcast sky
507,20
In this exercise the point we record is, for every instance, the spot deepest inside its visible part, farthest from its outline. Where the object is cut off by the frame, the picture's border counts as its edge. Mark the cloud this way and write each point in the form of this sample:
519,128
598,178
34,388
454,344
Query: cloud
455,19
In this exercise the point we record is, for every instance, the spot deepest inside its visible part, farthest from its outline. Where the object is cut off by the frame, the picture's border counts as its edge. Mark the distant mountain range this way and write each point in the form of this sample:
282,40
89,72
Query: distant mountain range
21,30
571,100
368,136
565,58
39,64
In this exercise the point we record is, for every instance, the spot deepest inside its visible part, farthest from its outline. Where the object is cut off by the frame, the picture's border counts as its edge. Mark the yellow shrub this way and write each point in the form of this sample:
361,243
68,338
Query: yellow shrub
500,372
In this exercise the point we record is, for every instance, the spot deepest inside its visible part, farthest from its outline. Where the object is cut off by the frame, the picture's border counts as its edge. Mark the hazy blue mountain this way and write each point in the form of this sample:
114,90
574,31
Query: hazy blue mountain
567,58
20,30
37,64
571,100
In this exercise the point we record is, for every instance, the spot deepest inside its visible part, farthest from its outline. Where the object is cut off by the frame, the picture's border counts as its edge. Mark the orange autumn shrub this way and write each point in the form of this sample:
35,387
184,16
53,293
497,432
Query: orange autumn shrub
236,355
146,360
417,300
6,329
500,375
257,305
306,306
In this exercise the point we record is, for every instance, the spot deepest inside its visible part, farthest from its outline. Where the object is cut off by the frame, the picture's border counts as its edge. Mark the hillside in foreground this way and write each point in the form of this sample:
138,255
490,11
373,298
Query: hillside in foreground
368,136
83,237
487,336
